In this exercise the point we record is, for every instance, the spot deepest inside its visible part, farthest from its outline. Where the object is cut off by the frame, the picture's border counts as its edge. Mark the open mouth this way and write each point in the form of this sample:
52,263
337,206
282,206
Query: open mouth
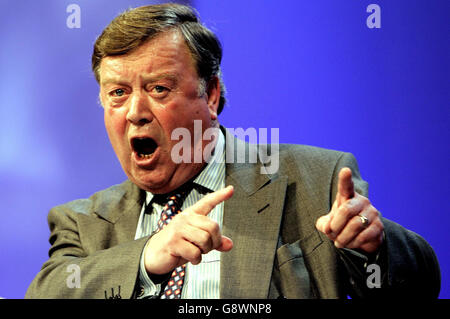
144,147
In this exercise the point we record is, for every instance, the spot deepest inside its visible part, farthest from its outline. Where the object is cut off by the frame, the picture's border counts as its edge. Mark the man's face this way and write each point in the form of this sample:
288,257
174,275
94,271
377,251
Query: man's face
146,94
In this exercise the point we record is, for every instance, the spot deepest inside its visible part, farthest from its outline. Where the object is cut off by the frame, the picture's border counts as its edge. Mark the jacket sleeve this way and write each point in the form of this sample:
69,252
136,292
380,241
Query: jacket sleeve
406,264
72,272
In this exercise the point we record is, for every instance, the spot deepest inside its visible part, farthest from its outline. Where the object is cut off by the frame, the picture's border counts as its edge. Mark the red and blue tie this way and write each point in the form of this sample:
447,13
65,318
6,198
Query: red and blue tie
175,284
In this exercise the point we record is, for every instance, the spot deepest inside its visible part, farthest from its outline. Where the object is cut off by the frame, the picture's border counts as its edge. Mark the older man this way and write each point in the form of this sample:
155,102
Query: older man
173,230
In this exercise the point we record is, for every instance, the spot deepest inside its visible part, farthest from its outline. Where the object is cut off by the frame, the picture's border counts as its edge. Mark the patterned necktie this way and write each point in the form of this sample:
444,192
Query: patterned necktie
175,284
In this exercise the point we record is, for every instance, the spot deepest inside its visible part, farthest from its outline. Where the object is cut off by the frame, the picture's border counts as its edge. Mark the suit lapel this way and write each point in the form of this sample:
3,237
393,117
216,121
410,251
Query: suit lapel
118,209
126,225
252,220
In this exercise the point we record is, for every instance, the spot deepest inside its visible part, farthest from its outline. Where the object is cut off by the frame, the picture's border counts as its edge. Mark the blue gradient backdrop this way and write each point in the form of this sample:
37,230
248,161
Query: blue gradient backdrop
311,68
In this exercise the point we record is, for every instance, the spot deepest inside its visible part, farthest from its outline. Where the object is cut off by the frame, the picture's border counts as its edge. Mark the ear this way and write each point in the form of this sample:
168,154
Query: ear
213,96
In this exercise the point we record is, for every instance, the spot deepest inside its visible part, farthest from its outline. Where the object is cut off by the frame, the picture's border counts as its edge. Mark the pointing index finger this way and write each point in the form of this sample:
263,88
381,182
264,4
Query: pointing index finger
207,203
346,189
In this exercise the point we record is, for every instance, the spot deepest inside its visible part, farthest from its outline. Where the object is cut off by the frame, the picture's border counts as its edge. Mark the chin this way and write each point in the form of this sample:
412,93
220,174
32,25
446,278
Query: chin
165,181
155,185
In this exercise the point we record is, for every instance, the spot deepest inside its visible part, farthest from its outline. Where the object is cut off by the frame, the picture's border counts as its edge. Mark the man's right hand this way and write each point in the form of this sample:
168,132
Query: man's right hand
189,234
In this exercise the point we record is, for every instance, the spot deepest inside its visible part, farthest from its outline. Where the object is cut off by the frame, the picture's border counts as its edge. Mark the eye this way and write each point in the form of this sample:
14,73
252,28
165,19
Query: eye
117,96
118,92
159,89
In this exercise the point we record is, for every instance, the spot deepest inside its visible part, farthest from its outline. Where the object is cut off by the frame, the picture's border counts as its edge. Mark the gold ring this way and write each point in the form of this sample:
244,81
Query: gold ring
364,221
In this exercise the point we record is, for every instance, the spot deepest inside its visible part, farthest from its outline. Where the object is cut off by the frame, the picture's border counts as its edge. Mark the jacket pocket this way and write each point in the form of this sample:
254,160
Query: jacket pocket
293,278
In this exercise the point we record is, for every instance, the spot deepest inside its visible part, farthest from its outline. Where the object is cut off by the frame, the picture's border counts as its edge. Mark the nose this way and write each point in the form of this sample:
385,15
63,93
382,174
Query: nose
139,112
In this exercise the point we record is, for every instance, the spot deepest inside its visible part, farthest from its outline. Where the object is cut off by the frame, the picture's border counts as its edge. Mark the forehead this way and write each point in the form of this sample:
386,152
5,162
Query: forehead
165,53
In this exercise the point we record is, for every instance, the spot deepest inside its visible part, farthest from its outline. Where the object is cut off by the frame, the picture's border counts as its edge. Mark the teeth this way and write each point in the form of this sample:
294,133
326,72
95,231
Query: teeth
145,155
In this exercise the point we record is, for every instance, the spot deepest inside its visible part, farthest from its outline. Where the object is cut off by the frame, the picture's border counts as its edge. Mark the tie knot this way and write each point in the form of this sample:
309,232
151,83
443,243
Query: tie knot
174,200
172,207
177,196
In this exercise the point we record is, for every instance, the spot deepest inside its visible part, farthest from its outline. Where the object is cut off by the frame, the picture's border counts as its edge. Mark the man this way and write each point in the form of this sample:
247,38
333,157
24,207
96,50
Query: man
173,230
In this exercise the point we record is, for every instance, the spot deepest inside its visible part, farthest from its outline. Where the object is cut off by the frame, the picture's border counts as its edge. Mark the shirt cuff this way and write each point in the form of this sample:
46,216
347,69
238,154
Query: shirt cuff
147,288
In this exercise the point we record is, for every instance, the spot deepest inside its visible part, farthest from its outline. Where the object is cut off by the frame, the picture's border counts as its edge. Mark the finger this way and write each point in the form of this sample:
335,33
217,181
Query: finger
206,224
346,188
219,242
323,224
205,205
345,213
199,238
369,239
352,229
204,241
373,246
188,252
351,235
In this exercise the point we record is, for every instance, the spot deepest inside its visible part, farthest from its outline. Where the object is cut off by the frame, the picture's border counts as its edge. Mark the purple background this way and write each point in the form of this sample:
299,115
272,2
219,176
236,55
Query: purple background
311,68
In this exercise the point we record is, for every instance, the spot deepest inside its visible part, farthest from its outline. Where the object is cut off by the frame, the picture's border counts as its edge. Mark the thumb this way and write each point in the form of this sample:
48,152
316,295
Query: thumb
323,223
226,245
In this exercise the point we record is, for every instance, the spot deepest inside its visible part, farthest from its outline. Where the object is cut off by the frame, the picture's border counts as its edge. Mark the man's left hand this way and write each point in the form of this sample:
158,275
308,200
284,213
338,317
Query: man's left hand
352,222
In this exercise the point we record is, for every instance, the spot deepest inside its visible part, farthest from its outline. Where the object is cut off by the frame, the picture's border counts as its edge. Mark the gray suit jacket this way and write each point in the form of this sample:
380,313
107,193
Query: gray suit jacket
271,218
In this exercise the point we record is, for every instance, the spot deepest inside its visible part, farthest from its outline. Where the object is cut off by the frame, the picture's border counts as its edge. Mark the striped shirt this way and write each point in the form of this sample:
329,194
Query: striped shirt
202,280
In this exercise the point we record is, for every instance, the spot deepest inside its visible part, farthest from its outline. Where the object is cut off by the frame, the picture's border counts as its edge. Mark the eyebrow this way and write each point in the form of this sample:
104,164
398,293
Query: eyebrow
145,79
